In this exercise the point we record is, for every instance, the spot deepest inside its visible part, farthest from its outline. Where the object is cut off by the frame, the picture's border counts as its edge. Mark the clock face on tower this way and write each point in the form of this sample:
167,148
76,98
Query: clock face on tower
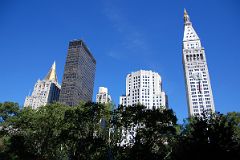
197,75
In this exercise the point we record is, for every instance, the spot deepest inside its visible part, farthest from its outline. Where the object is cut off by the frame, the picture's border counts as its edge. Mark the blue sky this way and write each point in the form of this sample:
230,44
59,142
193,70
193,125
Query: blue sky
124,36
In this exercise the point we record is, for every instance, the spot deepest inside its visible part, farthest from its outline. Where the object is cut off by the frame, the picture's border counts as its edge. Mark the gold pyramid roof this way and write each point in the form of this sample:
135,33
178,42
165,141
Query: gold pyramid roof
52,76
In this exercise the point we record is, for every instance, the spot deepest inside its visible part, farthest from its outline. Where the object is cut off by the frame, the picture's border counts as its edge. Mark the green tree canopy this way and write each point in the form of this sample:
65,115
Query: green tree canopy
207,137
96,131
153,132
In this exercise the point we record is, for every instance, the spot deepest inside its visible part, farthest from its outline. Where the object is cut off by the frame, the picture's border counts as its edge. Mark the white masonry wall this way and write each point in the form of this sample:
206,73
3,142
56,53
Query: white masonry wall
197,79
144,87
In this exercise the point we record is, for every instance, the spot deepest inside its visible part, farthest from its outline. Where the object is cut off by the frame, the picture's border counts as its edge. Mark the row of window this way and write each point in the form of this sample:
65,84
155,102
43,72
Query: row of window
207,95
201,107
207,102
200,99
194,57
194,89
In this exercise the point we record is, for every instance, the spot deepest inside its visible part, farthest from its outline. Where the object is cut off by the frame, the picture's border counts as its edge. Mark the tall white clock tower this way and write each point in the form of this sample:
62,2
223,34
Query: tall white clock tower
197,80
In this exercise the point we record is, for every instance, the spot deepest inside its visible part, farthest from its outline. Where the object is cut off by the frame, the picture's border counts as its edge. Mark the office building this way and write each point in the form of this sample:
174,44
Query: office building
103,96
144,87
45,91
79,74
197,79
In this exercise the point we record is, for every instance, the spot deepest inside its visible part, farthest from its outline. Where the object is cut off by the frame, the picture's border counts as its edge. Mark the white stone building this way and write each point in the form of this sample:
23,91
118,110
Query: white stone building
197,80
144,87
103,96
45,91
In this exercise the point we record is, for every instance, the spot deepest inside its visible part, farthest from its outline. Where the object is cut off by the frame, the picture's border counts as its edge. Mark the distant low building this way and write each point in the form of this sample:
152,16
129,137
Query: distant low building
45,91
103,96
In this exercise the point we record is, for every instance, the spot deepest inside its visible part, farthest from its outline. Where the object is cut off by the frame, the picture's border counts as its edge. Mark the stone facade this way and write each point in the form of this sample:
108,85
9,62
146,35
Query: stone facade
45,91
103,96
144,87
197,79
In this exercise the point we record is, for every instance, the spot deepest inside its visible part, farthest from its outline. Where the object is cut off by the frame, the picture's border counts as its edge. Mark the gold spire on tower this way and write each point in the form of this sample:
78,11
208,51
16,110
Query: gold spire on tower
186,17
52,76
185,12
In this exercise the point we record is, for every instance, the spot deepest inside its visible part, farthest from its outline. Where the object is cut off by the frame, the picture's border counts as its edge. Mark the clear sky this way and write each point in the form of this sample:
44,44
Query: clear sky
124,36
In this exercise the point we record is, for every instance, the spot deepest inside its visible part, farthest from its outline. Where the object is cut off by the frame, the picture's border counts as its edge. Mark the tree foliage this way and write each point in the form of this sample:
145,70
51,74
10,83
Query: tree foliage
234,118
152,132
56,132
208,137
96,131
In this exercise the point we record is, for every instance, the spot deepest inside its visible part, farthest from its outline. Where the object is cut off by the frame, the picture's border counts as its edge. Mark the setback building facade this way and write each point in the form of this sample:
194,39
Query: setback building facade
144,87
45,91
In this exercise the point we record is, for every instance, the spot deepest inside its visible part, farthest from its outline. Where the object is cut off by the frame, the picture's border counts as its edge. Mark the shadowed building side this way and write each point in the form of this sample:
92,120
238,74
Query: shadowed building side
79,74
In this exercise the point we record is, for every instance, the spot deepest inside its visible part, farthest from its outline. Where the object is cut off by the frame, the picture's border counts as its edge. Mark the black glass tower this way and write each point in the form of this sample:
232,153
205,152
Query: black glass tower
79,74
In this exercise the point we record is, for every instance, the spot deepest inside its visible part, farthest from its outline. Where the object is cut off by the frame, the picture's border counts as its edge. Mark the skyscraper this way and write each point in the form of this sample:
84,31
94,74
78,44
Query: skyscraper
197,80
144,87
45,91
103,96
79,74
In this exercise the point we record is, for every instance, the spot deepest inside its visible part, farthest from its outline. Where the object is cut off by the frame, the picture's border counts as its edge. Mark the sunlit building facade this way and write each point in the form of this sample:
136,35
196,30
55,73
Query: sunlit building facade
45,91
144,87
103,96
197,79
